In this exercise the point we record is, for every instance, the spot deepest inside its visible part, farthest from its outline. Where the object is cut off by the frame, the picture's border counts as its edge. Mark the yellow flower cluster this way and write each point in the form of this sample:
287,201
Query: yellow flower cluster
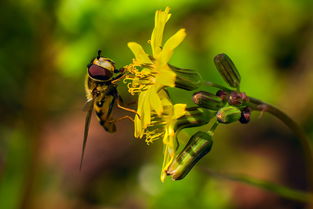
147,76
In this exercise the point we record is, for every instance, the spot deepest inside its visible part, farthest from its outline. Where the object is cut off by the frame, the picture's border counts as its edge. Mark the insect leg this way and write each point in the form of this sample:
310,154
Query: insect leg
119,101
118,78
122,118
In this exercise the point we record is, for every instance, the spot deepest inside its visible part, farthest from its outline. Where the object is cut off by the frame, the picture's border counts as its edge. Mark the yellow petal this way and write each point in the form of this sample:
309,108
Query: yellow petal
140,54
163,176
138,128
179,110
138,122
166,138
155,101
170,45
171,140
165,162
169,155
146,119
166,77
163,171
161,17
169,152
164,98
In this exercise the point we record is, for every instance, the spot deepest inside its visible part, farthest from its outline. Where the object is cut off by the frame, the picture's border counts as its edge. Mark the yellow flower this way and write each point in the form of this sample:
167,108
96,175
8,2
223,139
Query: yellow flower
177,111
148,75
163,127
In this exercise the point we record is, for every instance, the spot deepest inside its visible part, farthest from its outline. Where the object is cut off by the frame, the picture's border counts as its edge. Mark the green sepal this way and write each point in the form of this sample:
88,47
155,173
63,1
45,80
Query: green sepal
194,117
208,100
186,79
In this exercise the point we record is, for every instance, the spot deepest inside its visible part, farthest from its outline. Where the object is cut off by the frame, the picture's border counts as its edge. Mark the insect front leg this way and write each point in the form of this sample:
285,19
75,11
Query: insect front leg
118,78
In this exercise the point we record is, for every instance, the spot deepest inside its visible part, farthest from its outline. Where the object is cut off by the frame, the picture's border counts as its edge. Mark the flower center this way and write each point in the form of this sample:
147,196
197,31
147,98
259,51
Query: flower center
139,78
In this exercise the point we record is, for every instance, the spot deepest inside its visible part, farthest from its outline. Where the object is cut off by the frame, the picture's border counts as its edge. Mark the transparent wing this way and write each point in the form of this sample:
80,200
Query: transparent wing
89,107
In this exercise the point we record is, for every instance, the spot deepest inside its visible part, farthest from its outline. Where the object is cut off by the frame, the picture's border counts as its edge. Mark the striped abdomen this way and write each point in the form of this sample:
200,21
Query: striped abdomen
103,107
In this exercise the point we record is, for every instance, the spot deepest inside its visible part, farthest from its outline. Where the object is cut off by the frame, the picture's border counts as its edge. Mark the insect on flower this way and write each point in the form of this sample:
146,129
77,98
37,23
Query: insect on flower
101,92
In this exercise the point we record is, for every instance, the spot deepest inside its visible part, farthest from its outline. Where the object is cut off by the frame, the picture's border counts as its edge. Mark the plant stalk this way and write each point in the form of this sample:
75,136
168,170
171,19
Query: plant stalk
259,105
280,190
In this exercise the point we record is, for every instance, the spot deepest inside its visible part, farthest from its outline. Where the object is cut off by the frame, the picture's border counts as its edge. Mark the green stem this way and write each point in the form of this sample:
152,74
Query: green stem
214,126
259,105
262,184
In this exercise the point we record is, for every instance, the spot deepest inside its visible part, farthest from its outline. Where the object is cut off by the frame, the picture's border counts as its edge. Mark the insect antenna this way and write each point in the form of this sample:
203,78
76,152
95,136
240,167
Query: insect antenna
99,54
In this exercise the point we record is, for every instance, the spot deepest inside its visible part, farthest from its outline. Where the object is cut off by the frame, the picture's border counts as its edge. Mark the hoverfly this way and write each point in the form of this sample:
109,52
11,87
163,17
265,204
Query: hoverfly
101,92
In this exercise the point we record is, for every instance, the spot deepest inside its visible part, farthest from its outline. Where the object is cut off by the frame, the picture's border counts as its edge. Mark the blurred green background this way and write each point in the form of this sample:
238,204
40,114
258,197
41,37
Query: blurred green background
44,49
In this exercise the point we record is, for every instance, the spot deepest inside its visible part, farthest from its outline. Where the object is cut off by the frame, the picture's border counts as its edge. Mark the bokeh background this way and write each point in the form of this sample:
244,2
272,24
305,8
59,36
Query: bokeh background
44,49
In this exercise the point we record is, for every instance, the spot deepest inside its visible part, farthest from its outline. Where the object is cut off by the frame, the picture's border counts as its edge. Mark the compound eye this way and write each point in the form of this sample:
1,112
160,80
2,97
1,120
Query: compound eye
99,73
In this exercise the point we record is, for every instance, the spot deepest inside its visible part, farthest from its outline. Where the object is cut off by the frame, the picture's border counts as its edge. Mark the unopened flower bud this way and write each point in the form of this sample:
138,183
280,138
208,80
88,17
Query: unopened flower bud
198,146
227,69
207,100
235,99
245,115
186,78
223,94
194,117
228,114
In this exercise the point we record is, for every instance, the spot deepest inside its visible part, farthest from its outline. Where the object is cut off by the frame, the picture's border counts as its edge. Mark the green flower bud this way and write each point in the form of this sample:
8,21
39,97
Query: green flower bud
227,69
186,78
208,100
198,146
228,114
194,117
